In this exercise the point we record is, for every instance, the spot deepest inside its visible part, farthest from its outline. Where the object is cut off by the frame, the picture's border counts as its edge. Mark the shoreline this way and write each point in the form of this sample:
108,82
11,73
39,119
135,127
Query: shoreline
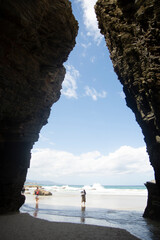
103,210
23,226
115,202
100,210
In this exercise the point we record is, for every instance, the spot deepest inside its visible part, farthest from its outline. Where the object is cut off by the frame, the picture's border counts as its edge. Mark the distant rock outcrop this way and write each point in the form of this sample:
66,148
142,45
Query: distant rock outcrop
132,33
43,192
36,38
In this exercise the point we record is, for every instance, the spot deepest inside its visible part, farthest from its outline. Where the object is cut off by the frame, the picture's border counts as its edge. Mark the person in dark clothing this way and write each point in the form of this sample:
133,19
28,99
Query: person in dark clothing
83,197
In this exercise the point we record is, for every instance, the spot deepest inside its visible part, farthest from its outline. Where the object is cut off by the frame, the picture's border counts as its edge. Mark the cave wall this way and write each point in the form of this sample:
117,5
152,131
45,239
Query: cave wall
131,30
36,38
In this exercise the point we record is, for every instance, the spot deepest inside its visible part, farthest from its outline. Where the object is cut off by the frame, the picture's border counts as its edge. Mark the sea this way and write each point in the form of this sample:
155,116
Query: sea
108,206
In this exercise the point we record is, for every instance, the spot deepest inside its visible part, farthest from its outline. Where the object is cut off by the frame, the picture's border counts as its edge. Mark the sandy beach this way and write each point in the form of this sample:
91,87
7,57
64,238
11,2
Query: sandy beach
70,198
109,199
110,215
105,208
24,227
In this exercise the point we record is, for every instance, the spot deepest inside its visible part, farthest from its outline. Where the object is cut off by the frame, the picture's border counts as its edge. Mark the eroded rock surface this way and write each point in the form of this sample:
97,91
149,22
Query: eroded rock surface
131,30
36,37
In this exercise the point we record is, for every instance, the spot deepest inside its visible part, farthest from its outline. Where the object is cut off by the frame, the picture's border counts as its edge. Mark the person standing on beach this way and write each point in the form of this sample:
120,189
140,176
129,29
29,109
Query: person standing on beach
83,197
37,193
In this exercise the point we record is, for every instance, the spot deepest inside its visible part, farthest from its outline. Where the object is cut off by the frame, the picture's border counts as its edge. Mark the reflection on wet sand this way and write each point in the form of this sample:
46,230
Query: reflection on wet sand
36,210
83,214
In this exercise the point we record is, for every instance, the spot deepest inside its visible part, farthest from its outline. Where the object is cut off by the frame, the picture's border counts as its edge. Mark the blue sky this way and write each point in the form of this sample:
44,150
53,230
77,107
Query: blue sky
91,135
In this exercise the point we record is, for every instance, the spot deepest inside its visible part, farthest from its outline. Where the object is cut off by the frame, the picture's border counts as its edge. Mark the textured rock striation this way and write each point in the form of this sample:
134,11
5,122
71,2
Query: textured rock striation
36,38
131,30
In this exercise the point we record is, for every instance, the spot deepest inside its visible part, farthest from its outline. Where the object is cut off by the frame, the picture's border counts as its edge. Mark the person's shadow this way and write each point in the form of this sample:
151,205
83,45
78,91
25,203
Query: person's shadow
36,210
83,214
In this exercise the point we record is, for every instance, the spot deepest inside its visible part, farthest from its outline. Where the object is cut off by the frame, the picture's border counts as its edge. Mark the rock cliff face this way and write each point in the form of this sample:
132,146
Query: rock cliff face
36,37
131,29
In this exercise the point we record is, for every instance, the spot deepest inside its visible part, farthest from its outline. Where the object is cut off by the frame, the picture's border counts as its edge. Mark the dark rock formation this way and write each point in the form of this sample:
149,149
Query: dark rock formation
153,204
131,29
43,192
36,37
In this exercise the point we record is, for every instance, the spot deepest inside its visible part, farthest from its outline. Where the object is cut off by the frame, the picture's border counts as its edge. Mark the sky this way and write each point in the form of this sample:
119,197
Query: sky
91,135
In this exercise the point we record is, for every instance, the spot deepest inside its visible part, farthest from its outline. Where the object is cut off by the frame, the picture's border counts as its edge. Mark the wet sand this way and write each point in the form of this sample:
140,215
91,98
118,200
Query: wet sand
24,227
116,202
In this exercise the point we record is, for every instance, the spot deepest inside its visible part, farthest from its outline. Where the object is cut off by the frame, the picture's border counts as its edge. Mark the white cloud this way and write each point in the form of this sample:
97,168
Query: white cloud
85,45
90,20
122,95
92,59
69,86
50,164
91,92
45,139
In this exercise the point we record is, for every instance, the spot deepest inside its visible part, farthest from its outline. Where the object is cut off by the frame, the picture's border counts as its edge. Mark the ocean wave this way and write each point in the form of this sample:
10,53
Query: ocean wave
97,188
